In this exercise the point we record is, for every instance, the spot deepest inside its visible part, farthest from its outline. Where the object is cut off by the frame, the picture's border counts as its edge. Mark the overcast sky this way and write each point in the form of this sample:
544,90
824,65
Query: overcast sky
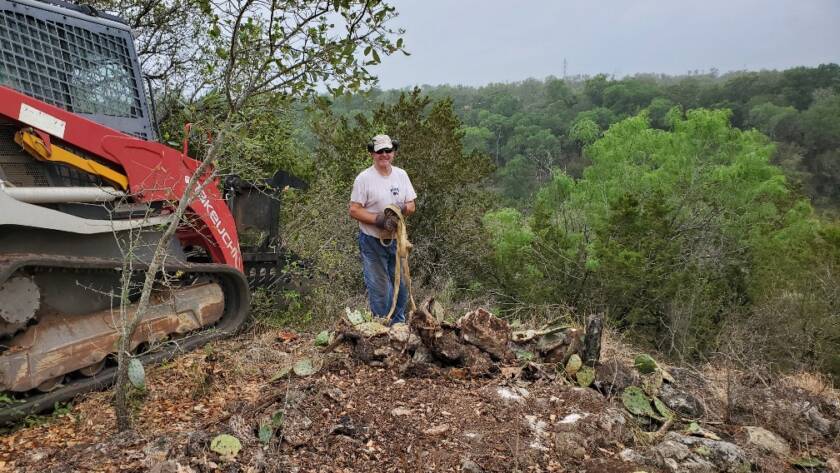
475,42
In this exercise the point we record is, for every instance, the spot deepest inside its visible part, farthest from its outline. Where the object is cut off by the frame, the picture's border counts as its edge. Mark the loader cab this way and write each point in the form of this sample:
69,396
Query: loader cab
76,58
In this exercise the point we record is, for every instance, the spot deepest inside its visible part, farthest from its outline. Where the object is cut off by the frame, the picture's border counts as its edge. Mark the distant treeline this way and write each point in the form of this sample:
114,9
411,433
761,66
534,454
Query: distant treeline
533,126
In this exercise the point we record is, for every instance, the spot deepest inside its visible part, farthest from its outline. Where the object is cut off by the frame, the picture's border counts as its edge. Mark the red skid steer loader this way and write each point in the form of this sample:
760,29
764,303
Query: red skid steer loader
86,189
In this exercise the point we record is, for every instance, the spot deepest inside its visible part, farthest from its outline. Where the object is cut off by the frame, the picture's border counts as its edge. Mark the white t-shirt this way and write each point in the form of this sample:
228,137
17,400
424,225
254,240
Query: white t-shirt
375,192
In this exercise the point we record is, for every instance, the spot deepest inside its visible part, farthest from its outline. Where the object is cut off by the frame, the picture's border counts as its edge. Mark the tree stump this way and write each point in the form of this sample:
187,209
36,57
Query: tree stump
592,340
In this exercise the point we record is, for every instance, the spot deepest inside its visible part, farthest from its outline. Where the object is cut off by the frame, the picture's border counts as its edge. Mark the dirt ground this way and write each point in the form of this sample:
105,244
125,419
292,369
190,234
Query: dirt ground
355,416
348,417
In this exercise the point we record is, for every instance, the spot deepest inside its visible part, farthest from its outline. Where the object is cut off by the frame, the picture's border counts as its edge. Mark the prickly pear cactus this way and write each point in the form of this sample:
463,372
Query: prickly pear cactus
585,376
573,365
227,446
323,339
305,367
663,409
645,364
636,401
136,373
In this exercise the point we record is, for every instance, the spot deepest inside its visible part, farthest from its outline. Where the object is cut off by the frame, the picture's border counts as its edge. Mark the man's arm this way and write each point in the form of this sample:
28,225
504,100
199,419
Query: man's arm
358,212
408,208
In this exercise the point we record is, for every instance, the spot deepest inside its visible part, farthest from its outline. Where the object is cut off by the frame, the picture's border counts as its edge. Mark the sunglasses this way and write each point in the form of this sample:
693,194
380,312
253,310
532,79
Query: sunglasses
384,150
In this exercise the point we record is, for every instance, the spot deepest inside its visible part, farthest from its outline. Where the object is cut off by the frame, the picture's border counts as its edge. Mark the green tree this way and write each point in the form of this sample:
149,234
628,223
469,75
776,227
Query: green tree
767,116
501,128
799,83
658,112
629,96
603,117
594,89
452,190
685,92
505,104
826,176
558,91
820,126
585,131
821,123
670,232
518,178
256,51
477,138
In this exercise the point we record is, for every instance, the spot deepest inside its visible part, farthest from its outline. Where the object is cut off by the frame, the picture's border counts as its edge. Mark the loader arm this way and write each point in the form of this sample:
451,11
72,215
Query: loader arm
155,172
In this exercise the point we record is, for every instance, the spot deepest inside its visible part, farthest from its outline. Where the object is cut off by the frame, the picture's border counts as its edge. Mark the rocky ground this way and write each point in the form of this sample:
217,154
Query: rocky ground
439,397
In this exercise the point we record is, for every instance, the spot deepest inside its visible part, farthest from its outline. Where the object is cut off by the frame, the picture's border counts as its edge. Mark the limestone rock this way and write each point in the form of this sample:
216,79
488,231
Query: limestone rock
570,444
767,441
422,355
469,466
513,395
157,451
631,456
612,377
437,430
170,466
681,402
447,347
538,432
548,342
371,329
817,420
614,425
400,411
402,338
683,454
571,345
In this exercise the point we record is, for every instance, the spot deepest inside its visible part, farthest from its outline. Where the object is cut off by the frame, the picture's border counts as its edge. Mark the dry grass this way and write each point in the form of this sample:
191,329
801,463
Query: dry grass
818,384
615,345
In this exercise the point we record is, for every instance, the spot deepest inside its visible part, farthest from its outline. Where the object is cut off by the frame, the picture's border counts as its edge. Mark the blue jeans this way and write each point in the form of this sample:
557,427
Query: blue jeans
378,264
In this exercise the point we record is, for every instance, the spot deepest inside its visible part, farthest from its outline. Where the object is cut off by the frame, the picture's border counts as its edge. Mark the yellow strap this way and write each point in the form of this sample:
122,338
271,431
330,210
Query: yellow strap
38,149
403,248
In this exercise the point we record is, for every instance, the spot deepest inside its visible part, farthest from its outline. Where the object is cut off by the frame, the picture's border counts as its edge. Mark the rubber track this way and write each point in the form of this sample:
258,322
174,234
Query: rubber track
234,286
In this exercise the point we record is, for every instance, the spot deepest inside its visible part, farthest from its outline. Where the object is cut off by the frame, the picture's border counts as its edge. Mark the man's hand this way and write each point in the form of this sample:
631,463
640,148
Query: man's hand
407,208
380,221
387,223
391,223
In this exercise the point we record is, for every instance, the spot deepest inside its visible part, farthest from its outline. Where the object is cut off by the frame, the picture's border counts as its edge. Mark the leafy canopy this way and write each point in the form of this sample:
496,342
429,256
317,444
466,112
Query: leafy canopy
669,231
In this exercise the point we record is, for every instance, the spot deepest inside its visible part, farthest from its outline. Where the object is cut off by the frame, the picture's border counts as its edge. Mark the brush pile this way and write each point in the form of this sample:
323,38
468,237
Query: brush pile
476,345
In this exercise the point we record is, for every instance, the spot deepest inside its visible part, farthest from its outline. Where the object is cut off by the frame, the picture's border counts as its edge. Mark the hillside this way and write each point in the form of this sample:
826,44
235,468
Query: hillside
391,402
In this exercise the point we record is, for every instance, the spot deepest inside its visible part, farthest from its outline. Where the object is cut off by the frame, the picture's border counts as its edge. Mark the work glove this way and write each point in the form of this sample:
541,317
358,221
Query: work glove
389,223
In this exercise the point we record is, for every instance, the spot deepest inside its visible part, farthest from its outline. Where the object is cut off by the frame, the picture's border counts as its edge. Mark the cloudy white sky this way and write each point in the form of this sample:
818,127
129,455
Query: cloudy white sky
476,42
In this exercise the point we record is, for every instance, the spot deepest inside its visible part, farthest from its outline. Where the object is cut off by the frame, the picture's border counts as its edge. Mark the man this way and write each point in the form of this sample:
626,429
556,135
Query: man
375,188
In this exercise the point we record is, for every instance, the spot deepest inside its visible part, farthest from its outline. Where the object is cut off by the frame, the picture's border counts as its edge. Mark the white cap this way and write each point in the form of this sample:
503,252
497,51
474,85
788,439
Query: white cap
382,142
